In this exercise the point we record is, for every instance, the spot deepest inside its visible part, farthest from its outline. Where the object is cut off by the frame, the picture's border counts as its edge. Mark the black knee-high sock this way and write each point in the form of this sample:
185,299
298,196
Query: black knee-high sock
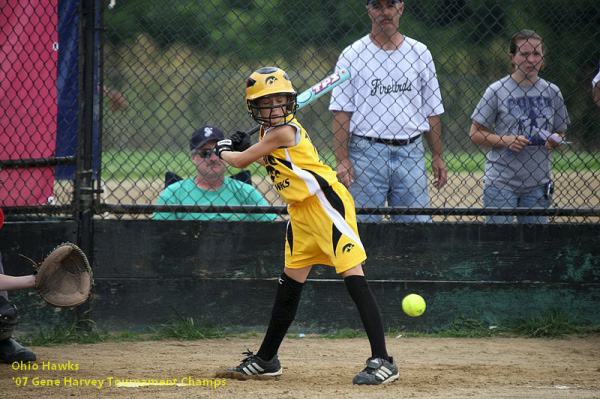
284,312
361,294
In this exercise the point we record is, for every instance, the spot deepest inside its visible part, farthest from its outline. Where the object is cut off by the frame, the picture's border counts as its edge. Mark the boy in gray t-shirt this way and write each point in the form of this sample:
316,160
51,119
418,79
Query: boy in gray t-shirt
528,117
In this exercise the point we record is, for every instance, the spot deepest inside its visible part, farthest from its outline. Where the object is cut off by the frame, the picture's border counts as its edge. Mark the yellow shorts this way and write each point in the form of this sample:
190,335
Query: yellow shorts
322,230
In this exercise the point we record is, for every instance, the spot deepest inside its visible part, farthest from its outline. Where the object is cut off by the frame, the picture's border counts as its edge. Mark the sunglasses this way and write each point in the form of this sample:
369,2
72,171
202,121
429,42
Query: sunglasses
204,154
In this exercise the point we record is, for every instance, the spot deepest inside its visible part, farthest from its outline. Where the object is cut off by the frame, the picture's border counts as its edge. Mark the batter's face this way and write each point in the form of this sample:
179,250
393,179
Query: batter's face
385,16
208,164
275,114
529,57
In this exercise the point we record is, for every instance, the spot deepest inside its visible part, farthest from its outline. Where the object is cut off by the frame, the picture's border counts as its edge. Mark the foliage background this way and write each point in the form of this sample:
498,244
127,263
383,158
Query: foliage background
182,64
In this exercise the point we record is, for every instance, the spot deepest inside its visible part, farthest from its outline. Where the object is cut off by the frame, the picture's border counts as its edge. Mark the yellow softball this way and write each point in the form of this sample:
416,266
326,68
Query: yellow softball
413,305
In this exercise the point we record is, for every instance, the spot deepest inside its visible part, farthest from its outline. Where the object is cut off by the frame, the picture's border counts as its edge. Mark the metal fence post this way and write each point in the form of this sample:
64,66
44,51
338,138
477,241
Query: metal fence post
84,190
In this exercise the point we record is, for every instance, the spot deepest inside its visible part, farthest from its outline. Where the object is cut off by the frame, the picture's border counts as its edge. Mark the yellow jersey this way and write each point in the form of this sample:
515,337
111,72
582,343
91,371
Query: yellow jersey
297,172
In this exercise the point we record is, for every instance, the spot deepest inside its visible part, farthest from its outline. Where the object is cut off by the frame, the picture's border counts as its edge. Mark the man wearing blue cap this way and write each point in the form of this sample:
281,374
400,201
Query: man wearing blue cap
210,186
382,114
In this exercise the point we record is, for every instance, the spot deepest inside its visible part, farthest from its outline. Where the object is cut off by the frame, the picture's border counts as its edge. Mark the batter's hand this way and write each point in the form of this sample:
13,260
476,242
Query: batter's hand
241,141
440,173
223,145
345,172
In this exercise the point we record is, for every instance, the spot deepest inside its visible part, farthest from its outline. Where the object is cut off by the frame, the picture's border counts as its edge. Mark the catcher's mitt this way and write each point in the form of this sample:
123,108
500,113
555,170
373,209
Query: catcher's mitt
64,278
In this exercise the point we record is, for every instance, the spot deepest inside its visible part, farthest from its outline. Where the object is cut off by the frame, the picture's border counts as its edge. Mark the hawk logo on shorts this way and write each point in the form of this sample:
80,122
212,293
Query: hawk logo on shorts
270,80
347,248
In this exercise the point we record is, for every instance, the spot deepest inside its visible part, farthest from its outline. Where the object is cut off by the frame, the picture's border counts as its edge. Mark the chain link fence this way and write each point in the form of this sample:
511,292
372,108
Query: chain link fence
168,68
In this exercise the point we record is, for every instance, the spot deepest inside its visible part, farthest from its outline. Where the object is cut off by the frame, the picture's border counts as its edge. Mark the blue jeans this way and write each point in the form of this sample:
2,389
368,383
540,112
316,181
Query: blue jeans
389,173
504,198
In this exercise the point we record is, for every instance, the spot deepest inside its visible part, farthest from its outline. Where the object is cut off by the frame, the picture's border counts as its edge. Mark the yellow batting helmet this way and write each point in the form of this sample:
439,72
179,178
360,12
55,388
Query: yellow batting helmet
267,82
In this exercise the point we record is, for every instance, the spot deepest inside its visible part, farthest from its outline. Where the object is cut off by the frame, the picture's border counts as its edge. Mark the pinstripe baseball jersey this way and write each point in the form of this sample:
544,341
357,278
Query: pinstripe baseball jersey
297,172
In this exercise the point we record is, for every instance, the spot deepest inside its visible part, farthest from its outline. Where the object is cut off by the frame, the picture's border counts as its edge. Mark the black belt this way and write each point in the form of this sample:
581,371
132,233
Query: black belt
396,143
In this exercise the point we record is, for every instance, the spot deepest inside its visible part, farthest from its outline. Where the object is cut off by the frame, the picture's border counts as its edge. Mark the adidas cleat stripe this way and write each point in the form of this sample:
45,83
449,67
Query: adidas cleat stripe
253,365
258,367
253,369
380,375
378,371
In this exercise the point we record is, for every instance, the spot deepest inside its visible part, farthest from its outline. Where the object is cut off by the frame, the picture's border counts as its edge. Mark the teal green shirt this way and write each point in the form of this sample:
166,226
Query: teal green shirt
232,192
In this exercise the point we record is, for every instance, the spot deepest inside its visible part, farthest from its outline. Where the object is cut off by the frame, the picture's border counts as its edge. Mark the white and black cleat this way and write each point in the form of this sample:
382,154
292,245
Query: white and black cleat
254,365
378,371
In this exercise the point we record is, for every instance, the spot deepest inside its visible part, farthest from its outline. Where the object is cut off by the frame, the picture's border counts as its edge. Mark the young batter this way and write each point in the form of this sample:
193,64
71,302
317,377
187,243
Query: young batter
322,227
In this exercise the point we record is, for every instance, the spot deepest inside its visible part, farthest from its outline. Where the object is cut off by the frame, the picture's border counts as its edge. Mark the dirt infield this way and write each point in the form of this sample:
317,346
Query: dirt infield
316,368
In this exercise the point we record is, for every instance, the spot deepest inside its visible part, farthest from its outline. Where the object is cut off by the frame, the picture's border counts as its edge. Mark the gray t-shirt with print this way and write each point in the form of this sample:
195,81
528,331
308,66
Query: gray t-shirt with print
510,109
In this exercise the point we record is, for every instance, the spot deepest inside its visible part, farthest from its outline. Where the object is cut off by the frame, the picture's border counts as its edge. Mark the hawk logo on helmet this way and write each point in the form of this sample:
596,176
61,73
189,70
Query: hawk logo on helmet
270,80
207,131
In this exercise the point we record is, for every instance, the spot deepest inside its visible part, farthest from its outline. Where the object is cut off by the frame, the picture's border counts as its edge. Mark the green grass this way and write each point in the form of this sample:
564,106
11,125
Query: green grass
186,329
82,331
564,161
467,328
345,334
551,325
460,328
85,332
153,164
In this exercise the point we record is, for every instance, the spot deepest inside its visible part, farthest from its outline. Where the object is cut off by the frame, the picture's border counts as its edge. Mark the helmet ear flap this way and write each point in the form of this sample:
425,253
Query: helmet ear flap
252,108
292,105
